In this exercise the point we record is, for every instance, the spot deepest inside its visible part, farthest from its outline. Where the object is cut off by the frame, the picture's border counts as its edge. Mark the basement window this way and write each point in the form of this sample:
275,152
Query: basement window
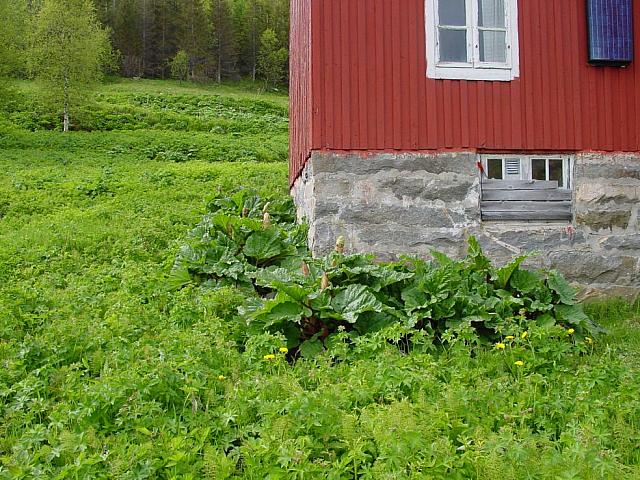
526,187
472,39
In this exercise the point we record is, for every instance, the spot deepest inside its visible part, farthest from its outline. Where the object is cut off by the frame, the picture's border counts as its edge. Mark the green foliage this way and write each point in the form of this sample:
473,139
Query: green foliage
12,40
12,37
233,241
272,59
309,300
106,373
220,37
180,65
68,51
188,124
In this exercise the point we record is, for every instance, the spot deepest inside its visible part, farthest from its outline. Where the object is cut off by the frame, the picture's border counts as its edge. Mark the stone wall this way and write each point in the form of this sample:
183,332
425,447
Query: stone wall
411,203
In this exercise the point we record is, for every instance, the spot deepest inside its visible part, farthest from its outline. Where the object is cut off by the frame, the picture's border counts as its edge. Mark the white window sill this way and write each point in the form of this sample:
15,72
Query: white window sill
470,73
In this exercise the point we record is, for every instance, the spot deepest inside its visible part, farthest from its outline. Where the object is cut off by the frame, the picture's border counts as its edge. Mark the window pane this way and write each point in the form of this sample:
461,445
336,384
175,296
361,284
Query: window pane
452,12
494,168
491,13
453,45
493,47
555,171
539,169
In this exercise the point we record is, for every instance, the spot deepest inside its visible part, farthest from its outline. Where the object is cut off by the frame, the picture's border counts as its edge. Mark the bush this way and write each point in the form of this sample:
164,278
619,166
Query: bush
313,301
180,65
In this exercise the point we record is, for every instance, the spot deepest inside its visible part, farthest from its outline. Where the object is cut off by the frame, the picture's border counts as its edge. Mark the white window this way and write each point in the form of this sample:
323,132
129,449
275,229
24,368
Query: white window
529,167
472,39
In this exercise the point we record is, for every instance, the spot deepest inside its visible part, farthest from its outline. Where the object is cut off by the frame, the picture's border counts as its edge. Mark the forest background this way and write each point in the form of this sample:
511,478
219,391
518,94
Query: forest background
200,40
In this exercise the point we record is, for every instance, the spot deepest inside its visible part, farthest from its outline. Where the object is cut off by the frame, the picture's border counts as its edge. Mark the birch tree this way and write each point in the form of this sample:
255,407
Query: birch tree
68,50
272,59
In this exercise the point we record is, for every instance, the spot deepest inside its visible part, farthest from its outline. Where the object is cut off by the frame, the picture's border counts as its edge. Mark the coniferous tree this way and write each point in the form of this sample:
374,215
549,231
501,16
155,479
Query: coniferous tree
126,38
194,35
163,36
222,38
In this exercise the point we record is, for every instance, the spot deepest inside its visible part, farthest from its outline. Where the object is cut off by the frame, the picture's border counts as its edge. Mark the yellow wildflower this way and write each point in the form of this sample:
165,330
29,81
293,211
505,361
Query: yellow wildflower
284,350
589,340
221,377
269,357
519,363
524,335
571,331
500,346
510,337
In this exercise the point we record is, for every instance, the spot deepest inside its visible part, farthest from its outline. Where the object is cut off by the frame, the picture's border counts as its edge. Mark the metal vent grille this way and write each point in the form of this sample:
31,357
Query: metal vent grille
512,167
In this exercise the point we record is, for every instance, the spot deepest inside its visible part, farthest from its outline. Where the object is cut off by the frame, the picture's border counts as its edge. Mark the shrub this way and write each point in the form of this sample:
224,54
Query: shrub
311,301
180,65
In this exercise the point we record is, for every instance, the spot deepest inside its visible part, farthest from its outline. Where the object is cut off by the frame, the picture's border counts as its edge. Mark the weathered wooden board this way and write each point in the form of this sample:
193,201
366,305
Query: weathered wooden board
526,195
528,200
514,206
529,216
519,185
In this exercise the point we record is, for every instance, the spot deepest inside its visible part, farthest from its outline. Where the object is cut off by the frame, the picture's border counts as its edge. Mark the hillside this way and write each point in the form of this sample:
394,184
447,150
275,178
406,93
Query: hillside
108,370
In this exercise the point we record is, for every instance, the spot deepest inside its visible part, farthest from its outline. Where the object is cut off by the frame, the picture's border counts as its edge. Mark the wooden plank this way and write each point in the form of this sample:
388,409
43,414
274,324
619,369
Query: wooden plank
526,195
518,185
510,206
529,216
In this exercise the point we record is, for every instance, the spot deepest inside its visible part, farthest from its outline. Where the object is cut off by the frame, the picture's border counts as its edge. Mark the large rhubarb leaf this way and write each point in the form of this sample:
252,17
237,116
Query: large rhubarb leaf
353,300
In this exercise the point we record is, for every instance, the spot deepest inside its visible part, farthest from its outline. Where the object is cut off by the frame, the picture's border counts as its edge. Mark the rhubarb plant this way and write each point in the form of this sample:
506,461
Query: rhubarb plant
254,243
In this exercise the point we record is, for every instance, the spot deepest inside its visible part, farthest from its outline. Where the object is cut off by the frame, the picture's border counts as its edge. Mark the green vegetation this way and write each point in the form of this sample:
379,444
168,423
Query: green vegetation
255,244
136,119
113,367
272,60
215,40
68,51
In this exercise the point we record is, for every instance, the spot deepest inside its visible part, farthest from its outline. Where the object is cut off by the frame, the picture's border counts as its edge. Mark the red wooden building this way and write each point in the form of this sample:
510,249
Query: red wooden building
415,123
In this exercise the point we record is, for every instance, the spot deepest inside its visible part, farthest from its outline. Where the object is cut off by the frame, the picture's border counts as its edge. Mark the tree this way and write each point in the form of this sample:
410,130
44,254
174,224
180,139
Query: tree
13,15
272,59
194,35
68,50
180,65
223,38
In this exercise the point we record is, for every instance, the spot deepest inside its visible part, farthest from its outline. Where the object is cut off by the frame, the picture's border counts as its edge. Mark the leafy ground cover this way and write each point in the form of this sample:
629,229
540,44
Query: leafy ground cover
143,120
112,367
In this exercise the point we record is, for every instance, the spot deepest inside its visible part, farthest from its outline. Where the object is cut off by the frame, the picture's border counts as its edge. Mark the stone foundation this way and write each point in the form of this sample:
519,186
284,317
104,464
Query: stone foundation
411,203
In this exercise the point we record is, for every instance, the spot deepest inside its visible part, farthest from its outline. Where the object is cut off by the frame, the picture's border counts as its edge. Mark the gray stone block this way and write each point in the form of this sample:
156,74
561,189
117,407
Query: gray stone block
592,267
415,215
544,238
323,162
612,166
427,186
622,242
604,219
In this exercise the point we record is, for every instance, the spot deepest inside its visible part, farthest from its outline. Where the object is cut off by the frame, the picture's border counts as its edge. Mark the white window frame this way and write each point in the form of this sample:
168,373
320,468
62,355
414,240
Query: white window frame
526,171
473,69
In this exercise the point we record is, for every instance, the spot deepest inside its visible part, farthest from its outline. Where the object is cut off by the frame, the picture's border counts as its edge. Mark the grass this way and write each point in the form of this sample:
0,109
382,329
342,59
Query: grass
107,373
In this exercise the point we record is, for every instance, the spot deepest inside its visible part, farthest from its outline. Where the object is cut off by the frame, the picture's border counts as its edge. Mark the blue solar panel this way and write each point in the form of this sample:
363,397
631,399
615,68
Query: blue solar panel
610,31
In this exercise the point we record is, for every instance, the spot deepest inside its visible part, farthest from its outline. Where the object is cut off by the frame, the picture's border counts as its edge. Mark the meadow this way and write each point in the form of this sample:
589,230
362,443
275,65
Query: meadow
112,365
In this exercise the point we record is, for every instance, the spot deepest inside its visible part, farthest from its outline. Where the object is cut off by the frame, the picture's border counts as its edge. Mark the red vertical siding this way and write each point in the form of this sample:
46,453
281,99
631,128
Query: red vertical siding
303,84
370,90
